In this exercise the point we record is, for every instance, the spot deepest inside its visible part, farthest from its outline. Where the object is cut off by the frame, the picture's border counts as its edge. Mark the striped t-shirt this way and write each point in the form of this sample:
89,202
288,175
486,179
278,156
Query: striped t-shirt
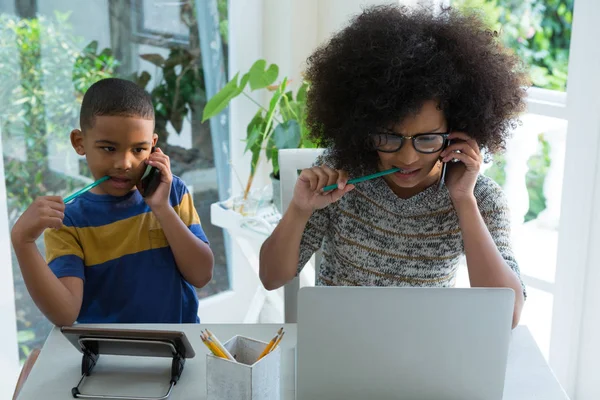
371,237
117,246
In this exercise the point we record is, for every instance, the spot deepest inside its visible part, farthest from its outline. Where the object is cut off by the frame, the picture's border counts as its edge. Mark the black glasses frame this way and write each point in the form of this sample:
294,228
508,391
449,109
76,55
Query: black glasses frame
412,139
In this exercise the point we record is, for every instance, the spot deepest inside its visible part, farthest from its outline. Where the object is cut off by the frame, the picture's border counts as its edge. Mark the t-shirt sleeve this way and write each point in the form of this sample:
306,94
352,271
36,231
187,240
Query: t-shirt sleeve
64,253
494,209
187,212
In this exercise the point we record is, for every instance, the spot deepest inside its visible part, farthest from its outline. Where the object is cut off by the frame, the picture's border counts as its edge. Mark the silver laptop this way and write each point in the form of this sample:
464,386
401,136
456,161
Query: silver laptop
402,343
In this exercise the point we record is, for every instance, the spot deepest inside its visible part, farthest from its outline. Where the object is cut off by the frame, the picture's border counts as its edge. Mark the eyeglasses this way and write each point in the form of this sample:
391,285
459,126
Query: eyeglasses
425,143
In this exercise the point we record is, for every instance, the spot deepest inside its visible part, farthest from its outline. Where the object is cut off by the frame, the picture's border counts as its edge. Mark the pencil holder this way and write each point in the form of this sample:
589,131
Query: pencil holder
246,379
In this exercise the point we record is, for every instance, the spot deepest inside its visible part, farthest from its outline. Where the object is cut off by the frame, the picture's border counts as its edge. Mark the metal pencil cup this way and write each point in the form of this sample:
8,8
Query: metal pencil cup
246,379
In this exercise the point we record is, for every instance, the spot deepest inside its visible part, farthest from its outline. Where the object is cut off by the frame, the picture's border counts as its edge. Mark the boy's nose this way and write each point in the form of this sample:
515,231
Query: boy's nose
123,162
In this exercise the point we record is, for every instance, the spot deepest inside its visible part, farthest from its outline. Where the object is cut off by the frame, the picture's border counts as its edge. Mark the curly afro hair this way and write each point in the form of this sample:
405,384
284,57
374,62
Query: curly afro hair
390,60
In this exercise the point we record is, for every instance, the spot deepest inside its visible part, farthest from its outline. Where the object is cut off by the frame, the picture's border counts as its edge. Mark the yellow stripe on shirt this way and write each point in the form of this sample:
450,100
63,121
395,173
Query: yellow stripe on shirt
97,245
187,211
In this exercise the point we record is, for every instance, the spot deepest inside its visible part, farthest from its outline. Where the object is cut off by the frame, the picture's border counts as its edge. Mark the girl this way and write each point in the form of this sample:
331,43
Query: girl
413,90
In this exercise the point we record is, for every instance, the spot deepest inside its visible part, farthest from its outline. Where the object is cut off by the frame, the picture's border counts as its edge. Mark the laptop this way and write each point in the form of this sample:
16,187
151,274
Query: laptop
402,343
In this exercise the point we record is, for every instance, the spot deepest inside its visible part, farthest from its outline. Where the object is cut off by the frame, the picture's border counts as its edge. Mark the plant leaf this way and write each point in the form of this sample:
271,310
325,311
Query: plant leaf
91,48
287,135
25,336
143,79
177,119
254,162
254,138
301,95
243,83
257,121
155,59
277,95
261,78
220,100
272,153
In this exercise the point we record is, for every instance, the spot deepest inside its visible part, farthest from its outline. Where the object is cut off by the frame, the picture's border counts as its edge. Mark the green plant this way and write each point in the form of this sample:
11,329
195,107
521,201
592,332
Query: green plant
91,66
496,170
539,31
180,88
43,75
538,164
279,126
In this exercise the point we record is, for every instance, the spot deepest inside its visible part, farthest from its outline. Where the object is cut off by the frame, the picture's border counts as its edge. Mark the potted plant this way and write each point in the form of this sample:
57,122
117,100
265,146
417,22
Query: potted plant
281,125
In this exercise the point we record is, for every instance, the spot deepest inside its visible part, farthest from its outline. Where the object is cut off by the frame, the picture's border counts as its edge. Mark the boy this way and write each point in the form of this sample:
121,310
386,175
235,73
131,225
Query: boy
113,256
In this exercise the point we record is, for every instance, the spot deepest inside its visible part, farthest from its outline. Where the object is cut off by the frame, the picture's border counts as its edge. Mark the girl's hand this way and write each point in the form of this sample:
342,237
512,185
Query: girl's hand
462,176
308,192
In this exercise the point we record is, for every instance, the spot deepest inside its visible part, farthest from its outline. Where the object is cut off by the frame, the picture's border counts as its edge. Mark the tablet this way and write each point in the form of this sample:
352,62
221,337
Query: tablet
130,342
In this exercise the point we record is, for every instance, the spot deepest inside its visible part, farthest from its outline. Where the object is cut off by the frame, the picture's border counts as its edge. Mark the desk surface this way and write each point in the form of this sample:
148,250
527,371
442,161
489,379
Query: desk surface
57,369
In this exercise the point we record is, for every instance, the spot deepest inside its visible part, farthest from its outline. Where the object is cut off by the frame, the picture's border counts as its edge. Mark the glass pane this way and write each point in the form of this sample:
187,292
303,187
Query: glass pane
538,30
50,53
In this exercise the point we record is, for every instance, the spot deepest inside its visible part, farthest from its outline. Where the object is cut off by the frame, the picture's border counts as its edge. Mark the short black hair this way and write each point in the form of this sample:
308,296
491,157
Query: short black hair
391,59
115,97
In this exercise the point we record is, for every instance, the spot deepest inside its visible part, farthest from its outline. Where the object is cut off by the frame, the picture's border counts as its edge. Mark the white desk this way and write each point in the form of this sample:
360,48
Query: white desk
58,368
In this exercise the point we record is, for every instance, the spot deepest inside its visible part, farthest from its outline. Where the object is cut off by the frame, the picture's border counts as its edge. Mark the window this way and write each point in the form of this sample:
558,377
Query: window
531,169
50,53
539,31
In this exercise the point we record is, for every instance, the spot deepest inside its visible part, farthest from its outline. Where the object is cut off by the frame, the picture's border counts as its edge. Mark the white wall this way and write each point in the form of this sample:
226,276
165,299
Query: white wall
575,343
293,29
245,47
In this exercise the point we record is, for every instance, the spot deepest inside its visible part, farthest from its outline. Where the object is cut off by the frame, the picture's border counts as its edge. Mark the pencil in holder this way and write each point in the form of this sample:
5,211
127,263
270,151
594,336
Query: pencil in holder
247,378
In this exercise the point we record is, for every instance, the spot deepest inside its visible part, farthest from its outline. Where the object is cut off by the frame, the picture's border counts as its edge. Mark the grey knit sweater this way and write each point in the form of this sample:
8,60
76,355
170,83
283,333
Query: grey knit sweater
371,237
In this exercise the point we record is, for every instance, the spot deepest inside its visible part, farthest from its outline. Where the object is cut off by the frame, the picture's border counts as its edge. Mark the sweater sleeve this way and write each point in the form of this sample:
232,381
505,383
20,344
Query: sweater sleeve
316,228
496,214
313,235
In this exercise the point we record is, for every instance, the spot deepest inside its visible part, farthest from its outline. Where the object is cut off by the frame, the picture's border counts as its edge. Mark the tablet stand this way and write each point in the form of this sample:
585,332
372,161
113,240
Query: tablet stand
89,347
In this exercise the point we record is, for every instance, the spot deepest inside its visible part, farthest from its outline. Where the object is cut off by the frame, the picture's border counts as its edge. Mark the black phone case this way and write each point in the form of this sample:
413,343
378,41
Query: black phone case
150,181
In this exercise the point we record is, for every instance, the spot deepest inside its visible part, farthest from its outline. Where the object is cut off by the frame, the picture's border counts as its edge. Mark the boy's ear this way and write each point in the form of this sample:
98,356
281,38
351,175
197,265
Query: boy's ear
77,141
154,139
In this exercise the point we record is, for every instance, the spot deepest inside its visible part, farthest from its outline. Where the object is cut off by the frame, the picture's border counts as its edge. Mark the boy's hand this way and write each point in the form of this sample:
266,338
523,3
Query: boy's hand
160,197
44,212
308,192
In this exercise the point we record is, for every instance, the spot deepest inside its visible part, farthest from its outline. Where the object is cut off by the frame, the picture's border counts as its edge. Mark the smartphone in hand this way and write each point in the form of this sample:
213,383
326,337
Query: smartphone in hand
150,180
445,166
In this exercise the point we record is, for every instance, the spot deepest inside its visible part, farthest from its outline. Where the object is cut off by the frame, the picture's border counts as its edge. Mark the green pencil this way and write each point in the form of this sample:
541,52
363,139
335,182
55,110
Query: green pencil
85,189
363,178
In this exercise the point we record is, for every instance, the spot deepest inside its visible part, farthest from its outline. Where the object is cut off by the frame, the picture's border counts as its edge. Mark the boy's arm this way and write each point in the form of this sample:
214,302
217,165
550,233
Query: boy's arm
194,258
59,299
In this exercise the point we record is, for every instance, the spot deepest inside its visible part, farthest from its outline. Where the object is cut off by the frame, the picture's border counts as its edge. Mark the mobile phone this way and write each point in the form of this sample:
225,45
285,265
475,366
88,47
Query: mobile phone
443,177
444,167
131,342
150,180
